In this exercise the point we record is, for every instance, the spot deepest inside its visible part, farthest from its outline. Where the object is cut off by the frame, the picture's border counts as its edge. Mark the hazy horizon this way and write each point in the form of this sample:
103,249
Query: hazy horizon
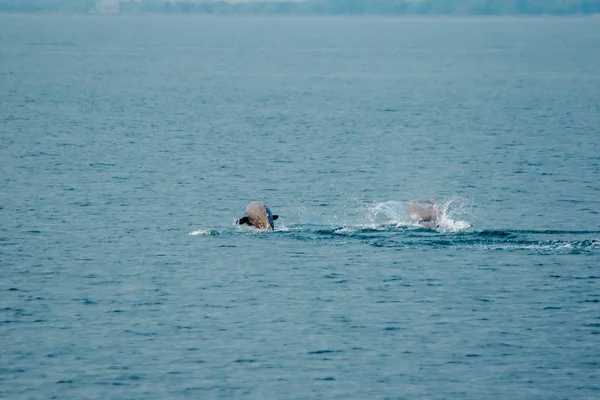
310,7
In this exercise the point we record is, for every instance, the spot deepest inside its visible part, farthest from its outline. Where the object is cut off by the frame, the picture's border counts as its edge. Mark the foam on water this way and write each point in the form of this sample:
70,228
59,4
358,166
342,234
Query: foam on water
451,225
386,225
202,232
393,212
383,217
542,247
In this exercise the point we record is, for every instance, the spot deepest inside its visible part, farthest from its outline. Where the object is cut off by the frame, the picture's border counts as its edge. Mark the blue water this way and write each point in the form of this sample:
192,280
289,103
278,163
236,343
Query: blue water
130,145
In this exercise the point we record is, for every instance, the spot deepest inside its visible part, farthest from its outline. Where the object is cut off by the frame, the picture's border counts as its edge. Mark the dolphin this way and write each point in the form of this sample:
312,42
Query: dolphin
259,216
424,212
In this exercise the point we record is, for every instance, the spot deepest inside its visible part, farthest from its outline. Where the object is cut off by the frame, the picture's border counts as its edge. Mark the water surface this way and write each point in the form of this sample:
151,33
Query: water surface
129,145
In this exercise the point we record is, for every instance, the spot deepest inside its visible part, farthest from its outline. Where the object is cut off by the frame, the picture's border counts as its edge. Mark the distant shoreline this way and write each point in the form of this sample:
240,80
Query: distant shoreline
290,15
309,7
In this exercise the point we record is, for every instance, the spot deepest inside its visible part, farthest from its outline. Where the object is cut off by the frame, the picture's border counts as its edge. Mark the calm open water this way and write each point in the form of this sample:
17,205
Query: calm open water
129,145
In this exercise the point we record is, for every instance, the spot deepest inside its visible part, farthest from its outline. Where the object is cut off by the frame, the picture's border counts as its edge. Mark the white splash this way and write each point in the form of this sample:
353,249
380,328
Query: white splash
394,212
452,208
201,232
447,224
280,226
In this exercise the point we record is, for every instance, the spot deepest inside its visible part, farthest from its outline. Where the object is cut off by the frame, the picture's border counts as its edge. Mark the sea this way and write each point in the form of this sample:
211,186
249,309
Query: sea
130,145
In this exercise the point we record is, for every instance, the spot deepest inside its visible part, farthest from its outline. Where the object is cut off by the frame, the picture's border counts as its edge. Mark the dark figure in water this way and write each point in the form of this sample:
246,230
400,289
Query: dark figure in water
259,216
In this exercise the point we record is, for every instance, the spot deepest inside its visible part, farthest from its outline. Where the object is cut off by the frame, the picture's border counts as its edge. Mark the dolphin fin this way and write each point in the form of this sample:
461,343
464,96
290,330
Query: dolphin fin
243,221
275,217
